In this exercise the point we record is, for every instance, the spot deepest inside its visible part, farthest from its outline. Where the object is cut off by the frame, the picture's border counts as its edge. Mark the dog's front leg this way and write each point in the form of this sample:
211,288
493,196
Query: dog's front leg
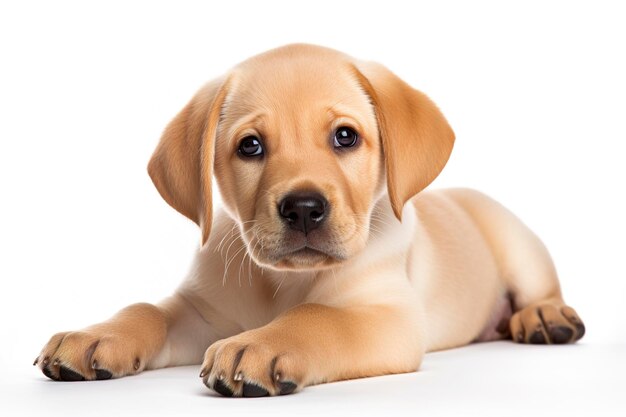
141,336
311,344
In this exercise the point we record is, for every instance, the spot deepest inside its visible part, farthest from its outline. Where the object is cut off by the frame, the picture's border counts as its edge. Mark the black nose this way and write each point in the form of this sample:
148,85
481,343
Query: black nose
303,211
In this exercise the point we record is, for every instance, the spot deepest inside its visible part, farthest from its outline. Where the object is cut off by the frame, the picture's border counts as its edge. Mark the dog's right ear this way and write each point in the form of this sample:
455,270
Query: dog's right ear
181,166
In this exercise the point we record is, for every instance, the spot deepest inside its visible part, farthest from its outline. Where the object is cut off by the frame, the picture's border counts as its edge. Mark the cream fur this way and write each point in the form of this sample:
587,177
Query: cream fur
397,271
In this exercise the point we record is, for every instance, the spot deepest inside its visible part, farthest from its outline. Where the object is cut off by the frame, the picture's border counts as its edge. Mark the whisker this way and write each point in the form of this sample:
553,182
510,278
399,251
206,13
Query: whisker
250,261
279,285
232,241
240,266
243,246
230,232
334,280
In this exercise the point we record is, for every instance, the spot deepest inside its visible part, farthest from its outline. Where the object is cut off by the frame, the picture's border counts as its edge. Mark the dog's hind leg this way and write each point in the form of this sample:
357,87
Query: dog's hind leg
540,316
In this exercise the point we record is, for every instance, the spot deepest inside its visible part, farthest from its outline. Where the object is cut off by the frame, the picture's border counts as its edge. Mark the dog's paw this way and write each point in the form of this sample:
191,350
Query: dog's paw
241,366
89,355
547,324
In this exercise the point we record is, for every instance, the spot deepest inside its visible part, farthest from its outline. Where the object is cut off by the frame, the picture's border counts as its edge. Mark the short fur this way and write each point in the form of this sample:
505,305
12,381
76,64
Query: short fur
393,273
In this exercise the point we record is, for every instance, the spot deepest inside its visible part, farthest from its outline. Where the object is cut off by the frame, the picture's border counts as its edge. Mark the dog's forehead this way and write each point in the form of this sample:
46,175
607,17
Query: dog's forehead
296,78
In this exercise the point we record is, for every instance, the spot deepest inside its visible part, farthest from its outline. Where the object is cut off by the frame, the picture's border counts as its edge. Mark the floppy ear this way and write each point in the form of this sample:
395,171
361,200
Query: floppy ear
416,137
181,166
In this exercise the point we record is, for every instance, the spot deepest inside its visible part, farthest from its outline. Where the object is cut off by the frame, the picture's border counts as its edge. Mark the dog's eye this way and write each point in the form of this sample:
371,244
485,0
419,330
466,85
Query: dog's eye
345,137
250,146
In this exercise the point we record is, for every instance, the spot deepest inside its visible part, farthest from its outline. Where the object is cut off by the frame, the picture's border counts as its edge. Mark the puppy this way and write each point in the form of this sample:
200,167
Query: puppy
328,261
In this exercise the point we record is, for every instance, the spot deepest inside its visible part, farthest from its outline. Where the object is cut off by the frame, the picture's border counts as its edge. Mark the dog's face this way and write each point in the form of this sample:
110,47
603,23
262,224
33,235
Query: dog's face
298,161
302,141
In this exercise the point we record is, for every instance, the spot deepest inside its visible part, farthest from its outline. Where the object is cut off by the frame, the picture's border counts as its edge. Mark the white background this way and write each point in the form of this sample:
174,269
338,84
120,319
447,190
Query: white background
535,91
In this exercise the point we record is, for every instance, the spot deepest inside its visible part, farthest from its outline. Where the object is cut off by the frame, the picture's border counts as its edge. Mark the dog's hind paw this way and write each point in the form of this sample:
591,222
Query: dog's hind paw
547,323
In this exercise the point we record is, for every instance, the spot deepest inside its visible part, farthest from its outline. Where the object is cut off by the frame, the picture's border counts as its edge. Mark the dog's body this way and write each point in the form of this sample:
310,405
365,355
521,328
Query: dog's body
308,276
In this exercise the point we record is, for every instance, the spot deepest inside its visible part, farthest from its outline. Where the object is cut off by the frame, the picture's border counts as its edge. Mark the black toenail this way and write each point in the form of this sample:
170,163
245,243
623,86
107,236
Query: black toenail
537,338
46,371
66,374
287,387
221,388
102,374
580,330
560,334
253,390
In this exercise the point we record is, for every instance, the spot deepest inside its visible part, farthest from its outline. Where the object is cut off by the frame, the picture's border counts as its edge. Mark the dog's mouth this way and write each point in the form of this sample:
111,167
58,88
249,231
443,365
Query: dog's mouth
305,258
305,255
310,251
287,249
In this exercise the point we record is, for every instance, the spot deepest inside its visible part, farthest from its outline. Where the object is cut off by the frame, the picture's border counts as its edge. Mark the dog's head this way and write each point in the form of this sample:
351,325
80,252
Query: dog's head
302,141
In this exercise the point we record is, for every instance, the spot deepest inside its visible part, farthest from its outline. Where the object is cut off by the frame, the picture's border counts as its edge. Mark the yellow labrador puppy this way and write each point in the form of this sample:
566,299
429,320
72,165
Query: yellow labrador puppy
327,262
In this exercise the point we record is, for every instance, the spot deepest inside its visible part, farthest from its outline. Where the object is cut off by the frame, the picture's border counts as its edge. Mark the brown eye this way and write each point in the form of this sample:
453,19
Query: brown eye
250,146
345,137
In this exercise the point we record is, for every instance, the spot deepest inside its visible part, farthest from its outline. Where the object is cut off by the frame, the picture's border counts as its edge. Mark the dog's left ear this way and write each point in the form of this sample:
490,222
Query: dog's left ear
181,166
416,138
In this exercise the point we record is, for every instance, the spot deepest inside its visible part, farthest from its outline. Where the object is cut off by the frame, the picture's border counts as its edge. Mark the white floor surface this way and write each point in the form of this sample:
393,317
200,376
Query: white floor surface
499,379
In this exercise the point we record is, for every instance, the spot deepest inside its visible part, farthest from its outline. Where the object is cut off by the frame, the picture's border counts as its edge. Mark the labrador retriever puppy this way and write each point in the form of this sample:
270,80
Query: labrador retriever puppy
328,261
